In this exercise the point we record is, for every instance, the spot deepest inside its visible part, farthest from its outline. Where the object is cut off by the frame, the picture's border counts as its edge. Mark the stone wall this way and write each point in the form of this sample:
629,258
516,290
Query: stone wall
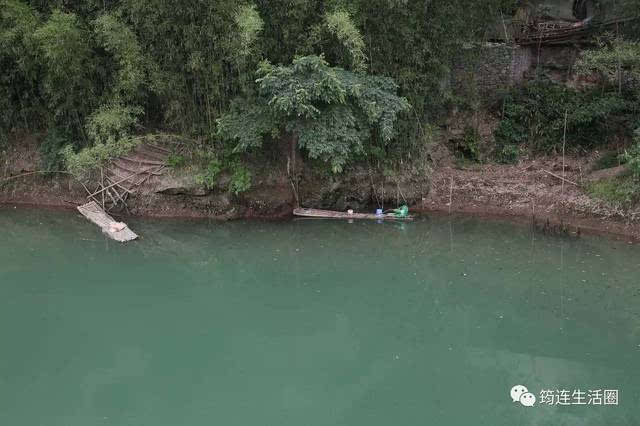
488,70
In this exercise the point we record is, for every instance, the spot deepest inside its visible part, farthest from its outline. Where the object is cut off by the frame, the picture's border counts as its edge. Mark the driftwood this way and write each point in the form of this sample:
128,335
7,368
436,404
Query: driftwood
5,180
158,148
130,170
142,162
559,177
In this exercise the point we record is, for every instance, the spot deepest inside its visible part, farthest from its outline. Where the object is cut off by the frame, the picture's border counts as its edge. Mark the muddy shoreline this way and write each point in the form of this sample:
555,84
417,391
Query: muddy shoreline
576,225
582,226
515,193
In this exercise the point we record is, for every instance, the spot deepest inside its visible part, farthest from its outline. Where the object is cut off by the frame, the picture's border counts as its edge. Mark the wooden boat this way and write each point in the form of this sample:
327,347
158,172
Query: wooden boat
330,214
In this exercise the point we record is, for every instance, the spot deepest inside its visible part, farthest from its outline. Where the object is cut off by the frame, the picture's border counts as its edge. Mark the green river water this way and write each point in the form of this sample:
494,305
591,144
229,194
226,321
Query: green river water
312,323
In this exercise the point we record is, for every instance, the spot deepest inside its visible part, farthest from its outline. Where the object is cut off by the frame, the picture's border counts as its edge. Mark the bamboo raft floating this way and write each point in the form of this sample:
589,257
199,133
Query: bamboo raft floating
330,214
111,228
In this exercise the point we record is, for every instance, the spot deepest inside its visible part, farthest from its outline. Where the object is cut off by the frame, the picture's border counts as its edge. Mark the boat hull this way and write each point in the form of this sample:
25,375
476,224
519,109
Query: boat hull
330,214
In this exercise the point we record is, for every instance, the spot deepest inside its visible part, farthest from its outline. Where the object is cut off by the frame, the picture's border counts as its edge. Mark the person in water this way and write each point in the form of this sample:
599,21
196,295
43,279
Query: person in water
402,211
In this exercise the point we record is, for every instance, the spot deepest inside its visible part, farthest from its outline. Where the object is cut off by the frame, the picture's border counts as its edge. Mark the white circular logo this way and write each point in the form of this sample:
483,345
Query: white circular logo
528,399
517,391
521,394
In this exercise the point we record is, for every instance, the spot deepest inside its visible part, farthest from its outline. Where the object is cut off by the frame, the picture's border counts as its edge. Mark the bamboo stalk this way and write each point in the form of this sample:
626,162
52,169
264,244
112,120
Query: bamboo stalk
151,173
564,141
113,200
88,192
102,184
118,195
32,173
450,193
117,183
560,177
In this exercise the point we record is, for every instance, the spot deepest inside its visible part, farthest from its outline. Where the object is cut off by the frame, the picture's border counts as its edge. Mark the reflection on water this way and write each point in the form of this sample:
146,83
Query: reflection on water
311,322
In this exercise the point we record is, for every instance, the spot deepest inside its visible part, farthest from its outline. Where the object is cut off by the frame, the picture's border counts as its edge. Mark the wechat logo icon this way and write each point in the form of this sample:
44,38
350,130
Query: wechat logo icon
522,395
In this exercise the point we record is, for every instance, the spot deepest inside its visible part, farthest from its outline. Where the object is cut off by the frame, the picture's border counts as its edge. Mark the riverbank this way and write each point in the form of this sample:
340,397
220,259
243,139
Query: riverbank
533,188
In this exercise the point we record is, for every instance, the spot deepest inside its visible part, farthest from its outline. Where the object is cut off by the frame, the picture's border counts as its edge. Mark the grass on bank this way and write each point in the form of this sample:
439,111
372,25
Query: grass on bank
620,191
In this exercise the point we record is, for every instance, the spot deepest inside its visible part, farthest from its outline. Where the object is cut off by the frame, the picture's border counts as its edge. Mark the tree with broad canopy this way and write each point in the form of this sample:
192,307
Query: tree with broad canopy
327,111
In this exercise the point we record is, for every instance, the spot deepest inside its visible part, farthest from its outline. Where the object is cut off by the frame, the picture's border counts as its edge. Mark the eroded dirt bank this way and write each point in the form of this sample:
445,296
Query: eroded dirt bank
532,188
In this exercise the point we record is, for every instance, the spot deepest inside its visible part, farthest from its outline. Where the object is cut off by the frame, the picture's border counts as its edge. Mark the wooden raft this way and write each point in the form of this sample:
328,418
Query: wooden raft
110,227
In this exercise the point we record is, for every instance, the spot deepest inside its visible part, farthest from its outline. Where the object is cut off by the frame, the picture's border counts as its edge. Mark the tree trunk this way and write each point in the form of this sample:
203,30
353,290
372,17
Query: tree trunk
292,169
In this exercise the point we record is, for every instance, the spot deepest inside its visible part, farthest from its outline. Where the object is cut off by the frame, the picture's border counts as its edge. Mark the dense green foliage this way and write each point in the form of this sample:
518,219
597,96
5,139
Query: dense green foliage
95,72
534,117
632,157
330,112
617,61
343,79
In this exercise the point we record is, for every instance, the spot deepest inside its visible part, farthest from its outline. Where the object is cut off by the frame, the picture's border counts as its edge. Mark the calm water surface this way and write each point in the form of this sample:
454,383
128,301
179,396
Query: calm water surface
311,323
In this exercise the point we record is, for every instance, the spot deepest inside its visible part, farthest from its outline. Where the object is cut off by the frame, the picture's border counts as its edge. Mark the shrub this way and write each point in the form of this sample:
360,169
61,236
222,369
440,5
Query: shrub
607,160
210,173
111,123
51,157
82,163
240,179
632,157
469,146
534,115
621,191
176,161
507,153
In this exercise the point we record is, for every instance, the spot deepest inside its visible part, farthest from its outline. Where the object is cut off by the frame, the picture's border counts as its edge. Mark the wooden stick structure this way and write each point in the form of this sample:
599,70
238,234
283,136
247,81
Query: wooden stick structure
560,177
450,193
564,141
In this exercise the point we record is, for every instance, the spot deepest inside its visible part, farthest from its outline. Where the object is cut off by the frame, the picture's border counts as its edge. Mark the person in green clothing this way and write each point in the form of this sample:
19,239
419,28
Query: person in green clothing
402,211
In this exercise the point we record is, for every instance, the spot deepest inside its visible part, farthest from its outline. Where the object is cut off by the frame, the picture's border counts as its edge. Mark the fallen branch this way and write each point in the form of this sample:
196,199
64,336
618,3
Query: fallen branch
32,173
155,172
560,177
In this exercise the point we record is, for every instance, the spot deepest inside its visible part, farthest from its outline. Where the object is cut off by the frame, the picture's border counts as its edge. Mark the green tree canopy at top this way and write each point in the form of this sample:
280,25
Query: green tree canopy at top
330,112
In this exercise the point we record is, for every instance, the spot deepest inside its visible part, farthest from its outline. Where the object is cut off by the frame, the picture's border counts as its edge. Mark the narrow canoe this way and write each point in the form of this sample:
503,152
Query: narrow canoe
330,214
